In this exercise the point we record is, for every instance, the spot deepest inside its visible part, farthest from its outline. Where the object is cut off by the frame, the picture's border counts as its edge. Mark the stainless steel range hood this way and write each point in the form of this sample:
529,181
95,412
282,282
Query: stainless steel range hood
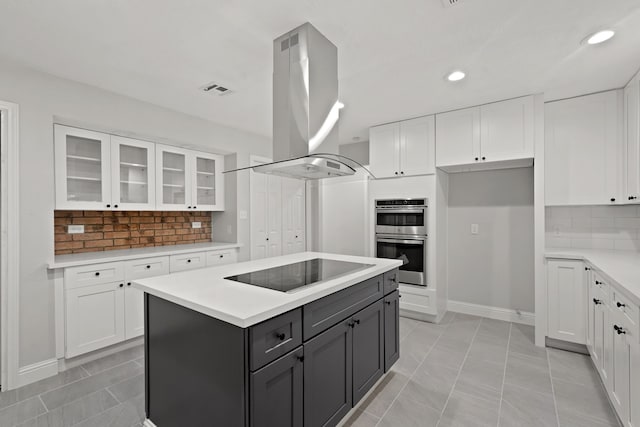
306,108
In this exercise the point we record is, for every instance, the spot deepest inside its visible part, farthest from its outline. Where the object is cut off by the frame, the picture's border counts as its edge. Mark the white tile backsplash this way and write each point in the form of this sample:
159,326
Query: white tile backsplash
593,227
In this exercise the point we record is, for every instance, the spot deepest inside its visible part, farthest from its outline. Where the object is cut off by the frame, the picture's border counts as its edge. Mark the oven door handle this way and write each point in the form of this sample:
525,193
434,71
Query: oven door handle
392,210
404,242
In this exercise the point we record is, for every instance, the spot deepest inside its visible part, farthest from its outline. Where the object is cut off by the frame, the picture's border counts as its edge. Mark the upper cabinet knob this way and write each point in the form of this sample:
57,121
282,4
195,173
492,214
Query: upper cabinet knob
396,173
613,199
484,158
108,206
476,159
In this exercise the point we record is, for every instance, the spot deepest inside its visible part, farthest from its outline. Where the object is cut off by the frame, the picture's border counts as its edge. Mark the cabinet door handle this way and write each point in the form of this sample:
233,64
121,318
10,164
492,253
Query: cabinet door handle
613,199
597,301
587,269
267,239
121,285
281,336
148,267
356,321
402,173
388,302
619,329
598,282
300,358
188,207
97,273
108,206
351,324
188,260
128,283
115,206
221,256
396,173
484,158
619,304
477,159
632,197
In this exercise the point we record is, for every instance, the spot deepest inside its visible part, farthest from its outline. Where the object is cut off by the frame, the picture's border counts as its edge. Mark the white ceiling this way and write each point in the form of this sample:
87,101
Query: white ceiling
392,54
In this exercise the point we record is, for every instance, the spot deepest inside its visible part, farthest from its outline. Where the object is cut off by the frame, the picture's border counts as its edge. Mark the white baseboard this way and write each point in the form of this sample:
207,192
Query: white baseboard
497,313
65,364
36,372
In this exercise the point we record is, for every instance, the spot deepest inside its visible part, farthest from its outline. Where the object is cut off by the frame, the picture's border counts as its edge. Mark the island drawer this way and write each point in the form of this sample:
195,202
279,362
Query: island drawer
391,280
275,337
320,315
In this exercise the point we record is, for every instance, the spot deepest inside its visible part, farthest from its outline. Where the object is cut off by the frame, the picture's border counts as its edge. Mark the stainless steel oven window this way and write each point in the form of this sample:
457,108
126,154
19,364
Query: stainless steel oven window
412,251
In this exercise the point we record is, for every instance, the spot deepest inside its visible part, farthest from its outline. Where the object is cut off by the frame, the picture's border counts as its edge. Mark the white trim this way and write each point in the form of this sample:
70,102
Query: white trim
540,271
65,364
497,313
148,423
37,371
9,250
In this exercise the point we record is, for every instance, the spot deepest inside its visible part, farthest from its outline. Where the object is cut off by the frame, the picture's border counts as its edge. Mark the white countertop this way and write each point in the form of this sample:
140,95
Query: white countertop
206,291
72,260
620,267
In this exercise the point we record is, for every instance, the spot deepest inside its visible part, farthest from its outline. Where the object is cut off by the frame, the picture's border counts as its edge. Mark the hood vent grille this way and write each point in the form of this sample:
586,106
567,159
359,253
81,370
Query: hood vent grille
216,88
450,3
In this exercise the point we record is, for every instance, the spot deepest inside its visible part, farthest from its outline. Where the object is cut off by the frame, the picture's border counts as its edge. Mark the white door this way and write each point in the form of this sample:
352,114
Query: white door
173,190
384,150
293,215
458,137
632,134
566,293
94,317
583,150
592,303
417,146
133,176
506,130
208,182
133,312
274,215
82,169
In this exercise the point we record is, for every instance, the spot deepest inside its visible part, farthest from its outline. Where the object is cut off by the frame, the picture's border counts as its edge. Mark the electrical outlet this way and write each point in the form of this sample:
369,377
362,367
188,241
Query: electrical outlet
75,229
196,224
475,228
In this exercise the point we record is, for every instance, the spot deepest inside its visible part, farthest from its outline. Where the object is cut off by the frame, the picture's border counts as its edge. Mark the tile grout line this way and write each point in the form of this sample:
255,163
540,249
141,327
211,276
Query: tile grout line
553,389
414,371
504,374
111,393
43,404
85,370
459,372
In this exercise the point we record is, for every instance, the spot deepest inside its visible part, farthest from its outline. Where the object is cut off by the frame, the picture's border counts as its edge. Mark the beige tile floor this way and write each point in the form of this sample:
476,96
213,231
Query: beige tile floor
467,371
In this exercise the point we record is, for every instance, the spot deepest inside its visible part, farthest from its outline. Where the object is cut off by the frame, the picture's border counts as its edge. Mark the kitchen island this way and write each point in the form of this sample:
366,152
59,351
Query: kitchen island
285,341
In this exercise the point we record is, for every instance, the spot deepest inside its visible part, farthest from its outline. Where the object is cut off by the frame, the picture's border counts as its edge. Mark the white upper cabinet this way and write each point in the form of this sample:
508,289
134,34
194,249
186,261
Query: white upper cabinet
133,174
584,150
498,132
98,171
632,138
403,148
189,180
458,137
82,169
507,130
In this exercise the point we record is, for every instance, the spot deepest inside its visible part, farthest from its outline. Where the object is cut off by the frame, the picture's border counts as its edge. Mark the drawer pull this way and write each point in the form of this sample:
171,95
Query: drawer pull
121,285
351,324
128,283
148,267
619,304
597,301
388,302
357,321
619,329
97,273
587,269
300,358
280,336
598,282
188,260
221,256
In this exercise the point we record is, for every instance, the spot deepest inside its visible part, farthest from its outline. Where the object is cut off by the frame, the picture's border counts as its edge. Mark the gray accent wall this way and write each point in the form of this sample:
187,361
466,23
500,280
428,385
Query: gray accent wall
495,267
45,99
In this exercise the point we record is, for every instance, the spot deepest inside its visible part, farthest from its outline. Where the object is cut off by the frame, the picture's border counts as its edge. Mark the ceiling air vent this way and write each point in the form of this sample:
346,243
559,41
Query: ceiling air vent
449,3
216,88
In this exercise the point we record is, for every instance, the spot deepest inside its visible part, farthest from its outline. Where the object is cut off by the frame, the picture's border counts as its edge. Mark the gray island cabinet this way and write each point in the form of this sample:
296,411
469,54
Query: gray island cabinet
306,367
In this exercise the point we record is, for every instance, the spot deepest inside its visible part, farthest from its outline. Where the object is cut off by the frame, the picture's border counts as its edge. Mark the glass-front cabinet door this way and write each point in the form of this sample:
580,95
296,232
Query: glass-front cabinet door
132,174
207,191
173,189
82,175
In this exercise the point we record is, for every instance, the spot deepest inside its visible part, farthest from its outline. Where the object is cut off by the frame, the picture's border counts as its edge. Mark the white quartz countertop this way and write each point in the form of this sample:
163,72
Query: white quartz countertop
72,260
622,268
206,291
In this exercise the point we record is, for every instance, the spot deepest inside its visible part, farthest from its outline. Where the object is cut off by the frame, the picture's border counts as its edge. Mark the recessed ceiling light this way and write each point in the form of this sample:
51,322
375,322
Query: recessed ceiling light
456,76
600,36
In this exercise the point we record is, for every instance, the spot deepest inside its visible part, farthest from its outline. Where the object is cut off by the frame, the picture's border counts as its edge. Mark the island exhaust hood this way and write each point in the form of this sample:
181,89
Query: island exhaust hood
306,108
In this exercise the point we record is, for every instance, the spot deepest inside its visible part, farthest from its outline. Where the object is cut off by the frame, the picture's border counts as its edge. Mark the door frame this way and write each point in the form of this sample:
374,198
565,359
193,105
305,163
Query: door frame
253,161
9,246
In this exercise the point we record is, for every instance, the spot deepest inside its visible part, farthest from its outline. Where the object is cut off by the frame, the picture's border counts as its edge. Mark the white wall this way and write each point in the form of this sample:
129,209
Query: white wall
43,100
495,267
593,227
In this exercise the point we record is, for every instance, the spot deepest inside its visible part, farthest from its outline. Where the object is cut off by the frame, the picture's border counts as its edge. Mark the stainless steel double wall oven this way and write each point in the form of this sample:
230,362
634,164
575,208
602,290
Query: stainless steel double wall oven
401,233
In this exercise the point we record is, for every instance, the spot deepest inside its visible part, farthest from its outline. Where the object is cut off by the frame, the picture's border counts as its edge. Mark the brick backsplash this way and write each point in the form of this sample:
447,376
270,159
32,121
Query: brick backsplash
594,227
110,230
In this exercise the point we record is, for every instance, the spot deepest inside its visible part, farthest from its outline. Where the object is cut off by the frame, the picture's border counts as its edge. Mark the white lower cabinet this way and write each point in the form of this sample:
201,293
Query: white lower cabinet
94,317
612,333
566,296
99,314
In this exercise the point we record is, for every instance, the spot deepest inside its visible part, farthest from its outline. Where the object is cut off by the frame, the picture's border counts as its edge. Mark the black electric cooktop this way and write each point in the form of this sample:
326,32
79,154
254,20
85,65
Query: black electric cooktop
291,276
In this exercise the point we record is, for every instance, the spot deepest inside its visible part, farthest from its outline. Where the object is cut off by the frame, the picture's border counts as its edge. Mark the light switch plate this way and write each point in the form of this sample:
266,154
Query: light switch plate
475,228
196,224
75,229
